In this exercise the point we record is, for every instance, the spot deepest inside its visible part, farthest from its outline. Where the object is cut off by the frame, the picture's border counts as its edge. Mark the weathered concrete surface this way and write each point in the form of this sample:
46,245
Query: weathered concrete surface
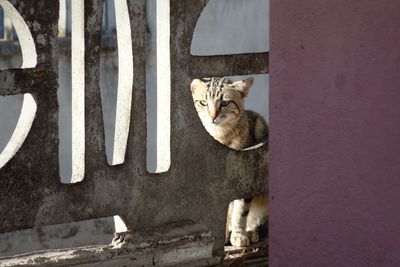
97,231
209,66
35,161
204,176
177,244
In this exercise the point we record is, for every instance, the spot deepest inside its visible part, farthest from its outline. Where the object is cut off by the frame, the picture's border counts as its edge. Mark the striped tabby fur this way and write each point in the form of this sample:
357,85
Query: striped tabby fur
220,105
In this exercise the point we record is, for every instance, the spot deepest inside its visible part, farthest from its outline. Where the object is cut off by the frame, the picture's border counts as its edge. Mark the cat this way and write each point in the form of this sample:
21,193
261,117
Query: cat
220,106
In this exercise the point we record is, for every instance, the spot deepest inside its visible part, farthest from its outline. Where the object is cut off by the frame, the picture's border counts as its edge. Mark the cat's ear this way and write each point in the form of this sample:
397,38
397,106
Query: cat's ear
243,86
196,83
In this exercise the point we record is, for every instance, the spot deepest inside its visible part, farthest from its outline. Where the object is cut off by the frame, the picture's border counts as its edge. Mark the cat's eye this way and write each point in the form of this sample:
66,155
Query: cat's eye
225,103
203,102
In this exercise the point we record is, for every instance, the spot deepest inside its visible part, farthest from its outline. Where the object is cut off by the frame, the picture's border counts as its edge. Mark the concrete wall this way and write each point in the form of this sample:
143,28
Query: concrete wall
335,119
9,110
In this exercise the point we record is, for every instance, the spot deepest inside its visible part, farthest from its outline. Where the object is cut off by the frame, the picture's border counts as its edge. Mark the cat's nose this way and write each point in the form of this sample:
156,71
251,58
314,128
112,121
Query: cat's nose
213,113
213,116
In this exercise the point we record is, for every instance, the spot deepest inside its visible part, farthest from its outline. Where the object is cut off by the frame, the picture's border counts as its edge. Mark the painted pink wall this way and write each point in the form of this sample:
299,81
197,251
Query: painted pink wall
335,133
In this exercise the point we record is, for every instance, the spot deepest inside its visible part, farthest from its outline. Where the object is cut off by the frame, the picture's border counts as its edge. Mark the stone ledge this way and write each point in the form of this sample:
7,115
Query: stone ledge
178,244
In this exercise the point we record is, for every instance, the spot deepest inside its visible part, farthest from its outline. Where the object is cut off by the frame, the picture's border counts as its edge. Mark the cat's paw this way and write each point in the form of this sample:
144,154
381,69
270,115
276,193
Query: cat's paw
239,239
253,236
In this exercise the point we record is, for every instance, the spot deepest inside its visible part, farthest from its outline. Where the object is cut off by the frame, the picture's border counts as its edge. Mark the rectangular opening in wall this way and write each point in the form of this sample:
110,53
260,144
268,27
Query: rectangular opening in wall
10,47
18,114
1,23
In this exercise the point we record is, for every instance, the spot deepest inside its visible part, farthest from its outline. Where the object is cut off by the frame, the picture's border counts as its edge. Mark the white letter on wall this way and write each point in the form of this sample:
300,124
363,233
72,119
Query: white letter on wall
125,81
29,59
78,89
158,88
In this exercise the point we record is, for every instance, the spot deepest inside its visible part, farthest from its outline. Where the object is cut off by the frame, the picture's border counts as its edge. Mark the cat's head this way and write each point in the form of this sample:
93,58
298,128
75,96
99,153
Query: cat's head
219,101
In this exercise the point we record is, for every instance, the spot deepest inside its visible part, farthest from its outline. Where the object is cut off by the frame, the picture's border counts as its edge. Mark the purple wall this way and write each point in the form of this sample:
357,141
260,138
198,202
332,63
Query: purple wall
335,133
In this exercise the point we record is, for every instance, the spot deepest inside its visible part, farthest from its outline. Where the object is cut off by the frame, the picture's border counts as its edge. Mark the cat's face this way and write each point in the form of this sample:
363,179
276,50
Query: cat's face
219,101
